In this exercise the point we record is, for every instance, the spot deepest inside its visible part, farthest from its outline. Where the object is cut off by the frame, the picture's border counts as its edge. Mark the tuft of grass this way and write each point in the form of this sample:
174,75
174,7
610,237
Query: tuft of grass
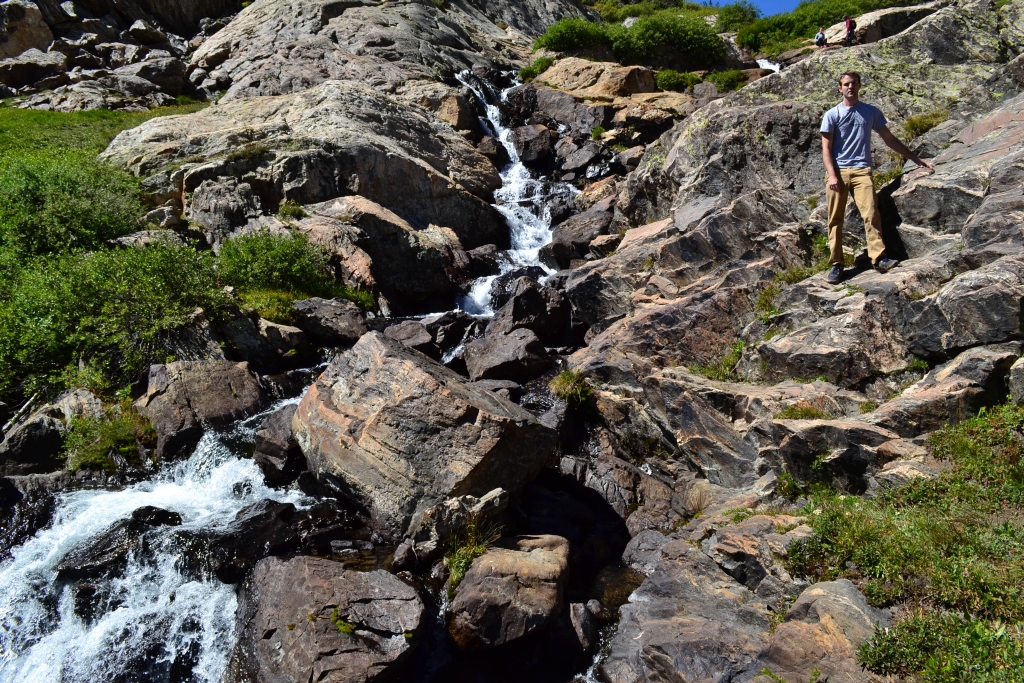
918,365
539,66
765,305
916,126
249,152
723,369
290,208
93,443
597,132
880,180
867,407
572,387
343,626
467,545
803,410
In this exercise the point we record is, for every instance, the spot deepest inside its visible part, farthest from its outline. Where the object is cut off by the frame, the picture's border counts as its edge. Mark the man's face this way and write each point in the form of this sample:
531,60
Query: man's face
849,87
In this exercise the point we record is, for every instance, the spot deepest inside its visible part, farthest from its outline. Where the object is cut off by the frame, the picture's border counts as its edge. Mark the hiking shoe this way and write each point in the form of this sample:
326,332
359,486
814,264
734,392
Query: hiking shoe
836,274
884,265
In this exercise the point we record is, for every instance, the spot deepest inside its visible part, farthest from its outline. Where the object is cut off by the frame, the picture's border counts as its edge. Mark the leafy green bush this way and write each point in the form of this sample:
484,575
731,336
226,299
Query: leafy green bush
726,81
539,66
669,79
291,209
91,443
51,203
659,38
735,15
114,311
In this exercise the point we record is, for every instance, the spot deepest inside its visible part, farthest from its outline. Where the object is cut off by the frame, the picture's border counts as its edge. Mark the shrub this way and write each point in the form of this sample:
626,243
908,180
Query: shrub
572,34
571,387
539,66
597,132
669,79
726,81
58,202
802,410
291,209
735,15
93,443
115,311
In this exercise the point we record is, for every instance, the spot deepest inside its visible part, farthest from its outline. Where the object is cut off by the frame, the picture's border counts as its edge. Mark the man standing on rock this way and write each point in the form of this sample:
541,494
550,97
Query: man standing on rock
846,150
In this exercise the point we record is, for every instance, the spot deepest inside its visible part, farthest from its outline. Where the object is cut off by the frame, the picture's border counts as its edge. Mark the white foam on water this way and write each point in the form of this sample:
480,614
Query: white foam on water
769,64
154,614
522,199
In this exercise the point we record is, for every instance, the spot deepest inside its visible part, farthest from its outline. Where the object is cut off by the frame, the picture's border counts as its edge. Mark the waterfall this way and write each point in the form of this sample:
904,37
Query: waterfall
769,64
522,199
156,621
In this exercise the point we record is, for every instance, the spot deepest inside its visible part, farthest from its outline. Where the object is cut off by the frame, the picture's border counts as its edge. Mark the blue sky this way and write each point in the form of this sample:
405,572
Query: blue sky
769,7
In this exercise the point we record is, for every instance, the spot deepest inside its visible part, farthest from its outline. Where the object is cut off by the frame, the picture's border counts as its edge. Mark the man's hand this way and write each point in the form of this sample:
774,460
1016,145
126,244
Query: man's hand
833,183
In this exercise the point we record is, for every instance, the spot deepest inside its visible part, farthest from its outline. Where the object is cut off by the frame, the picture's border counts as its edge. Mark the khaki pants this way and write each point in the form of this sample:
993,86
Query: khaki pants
857,181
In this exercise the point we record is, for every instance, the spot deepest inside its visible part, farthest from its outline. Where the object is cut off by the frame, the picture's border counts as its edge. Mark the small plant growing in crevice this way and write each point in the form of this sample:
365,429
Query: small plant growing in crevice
697,501
248,153
867,407
290,208
539,66
919,365
803,410
723,369
95,443
916,126
343,626
467,545
572,387
597,132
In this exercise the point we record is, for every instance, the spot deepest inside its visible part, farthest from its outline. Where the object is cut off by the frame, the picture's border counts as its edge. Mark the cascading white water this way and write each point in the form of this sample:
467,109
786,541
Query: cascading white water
154,614
523,200
769,64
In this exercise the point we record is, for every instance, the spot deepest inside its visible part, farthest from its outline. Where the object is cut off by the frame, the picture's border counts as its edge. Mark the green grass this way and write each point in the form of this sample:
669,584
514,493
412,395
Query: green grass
539,66
765,305
723,369
880,180
467,545
662,38
867,407
802,410
948,548
916,126
343,626
291,209
92,443
670,79
572,387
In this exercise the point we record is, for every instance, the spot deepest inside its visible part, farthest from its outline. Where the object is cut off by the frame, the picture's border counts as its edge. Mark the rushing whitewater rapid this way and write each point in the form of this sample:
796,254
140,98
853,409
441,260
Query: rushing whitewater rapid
523,200
156,624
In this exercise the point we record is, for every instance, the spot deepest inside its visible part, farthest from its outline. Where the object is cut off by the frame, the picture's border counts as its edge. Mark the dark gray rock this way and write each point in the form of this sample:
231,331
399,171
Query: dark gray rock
571,240
30,67
519,356
309,618
533,143
259,530
277,453
330,322
34,446
543,310
413,334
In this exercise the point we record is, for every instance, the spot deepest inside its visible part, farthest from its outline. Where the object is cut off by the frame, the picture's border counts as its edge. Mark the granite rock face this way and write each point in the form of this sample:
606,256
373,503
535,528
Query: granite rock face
309,618
396,433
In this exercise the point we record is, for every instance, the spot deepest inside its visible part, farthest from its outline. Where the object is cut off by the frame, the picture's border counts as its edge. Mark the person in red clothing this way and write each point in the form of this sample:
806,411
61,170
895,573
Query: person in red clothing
851,26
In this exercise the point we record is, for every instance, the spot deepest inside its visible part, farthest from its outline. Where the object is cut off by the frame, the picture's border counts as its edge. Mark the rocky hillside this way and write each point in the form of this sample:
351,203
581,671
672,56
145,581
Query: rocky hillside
626,470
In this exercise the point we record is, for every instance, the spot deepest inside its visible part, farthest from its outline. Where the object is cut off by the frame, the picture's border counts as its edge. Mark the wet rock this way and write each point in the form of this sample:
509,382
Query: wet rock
533,143
540,309
485,261
413,334
27,504
451,328
950,393
571,240
259,530
395,433
518,356
34,446
822,632
106,555
154,516
330,322
584,624
501,288
309,618
277,453
513,589
689,620
184,396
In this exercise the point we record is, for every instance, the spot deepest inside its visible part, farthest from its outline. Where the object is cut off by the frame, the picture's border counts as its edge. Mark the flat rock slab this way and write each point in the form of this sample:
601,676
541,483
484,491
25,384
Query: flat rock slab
184,397
310,619
510,591
397,433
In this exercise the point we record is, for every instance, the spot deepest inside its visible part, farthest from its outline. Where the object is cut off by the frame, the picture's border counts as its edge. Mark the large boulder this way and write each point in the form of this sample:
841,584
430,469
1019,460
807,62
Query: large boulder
571,240
873,26
277,453
310,619
30,66
22,27
512,590
598,80
543,310
339,138
330,322
518,356
184,397
396,433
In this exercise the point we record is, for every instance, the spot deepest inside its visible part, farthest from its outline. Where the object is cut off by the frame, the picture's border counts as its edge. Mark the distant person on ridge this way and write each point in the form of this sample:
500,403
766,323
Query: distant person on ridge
819,38
846,151
851,26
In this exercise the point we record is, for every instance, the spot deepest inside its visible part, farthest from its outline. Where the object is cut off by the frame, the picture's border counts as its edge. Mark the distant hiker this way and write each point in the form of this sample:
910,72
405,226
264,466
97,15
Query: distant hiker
819,38
846,151
851,26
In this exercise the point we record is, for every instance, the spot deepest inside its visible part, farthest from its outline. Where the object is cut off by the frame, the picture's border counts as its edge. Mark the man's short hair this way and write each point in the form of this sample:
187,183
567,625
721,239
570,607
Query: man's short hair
851,74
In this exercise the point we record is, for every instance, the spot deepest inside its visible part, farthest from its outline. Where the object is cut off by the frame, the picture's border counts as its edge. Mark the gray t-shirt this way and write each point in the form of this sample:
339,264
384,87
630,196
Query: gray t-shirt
851,142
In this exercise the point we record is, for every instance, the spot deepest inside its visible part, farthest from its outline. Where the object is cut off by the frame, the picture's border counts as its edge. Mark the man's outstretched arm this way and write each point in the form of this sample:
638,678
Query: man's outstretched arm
895,145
